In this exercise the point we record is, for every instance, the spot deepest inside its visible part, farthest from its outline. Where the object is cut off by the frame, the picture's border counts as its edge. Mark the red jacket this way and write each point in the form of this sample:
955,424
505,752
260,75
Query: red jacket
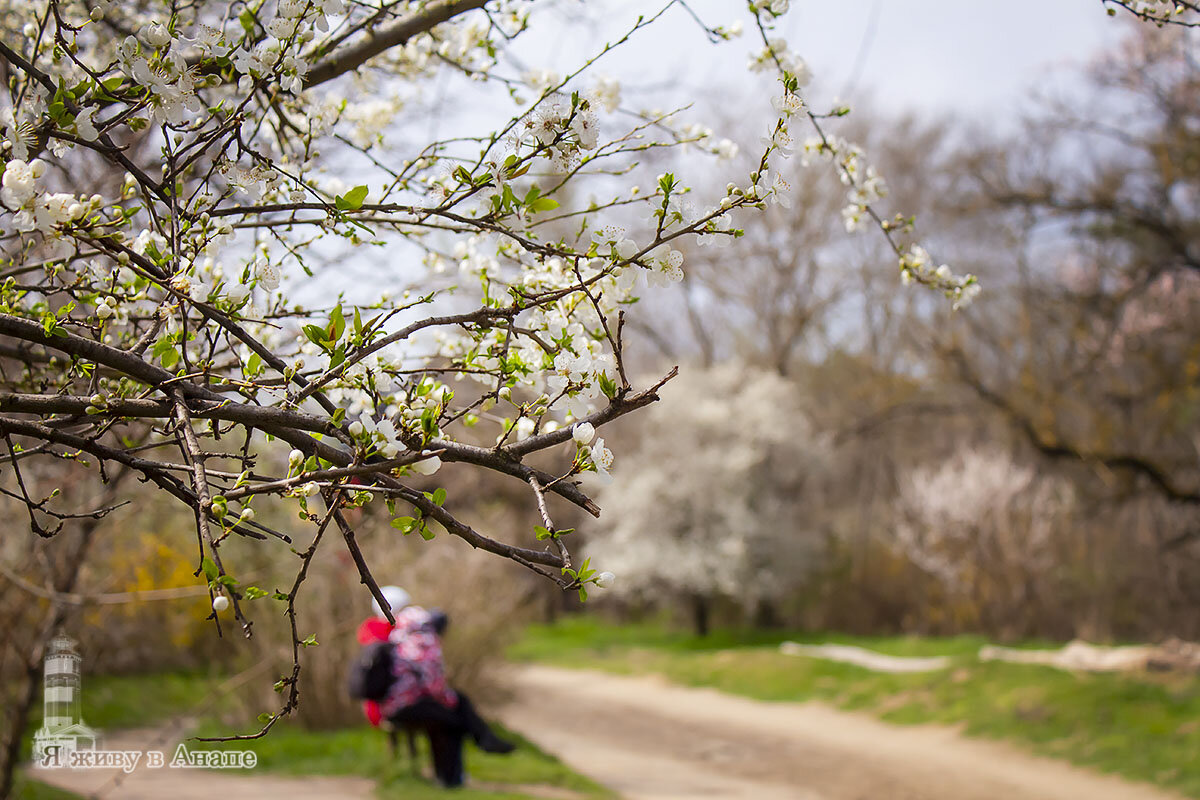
375,629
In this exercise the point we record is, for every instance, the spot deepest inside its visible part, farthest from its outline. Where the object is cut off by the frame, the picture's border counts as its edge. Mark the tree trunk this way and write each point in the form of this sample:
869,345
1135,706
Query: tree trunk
700,614
766,615
10,742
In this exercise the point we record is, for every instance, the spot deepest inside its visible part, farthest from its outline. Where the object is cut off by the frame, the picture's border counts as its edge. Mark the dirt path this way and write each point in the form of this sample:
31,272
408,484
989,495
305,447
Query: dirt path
652,741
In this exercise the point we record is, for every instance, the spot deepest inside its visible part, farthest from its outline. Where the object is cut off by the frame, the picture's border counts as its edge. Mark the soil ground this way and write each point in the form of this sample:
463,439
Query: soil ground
653,741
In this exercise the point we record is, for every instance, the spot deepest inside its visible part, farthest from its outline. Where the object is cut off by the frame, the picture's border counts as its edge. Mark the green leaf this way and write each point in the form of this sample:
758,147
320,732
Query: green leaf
210,568
311,641
315,334
543,204
253,593
351,200
337,322
439,496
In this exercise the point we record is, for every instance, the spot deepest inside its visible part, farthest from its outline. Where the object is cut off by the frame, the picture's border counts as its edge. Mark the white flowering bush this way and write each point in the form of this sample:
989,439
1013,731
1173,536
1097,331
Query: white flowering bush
268,259
725,501
983,526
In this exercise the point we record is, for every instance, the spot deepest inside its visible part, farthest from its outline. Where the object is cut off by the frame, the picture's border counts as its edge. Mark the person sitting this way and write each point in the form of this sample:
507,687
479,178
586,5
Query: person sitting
419,696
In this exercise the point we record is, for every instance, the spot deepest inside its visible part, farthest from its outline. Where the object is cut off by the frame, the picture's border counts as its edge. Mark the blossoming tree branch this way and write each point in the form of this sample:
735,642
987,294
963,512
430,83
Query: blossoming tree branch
194,323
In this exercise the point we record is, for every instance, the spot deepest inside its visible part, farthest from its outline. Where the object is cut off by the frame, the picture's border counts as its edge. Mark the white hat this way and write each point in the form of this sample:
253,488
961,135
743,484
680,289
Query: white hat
397,599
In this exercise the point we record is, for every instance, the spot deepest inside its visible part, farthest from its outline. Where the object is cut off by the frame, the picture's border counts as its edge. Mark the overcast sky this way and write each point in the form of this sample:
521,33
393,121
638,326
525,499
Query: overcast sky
979,57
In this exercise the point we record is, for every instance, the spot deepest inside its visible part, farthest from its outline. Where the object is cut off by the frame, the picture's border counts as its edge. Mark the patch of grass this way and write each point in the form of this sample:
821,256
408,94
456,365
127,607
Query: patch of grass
133,701
364,751
1141,726
582,636
27,789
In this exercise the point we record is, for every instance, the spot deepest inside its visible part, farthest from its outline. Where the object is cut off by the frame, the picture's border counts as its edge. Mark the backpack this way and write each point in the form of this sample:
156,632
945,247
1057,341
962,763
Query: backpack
370,675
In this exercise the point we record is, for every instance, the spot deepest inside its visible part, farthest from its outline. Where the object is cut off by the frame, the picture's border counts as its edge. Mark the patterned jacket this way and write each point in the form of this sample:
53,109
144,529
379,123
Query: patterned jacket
417,666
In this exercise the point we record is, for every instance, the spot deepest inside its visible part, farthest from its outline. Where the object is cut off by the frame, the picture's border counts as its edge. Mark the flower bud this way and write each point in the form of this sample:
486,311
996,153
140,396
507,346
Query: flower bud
583,433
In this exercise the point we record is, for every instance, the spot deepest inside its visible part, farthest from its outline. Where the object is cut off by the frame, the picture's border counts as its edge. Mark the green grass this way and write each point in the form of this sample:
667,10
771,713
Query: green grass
1144,727
131,701
364,751
581,637
25,789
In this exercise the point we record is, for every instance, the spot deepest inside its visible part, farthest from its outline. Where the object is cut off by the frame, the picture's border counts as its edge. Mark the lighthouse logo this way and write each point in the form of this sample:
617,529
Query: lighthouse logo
65,741
63,730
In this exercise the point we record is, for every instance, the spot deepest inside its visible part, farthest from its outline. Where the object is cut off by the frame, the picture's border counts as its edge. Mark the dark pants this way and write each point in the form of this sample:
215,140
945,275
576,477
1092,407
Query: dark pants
446,728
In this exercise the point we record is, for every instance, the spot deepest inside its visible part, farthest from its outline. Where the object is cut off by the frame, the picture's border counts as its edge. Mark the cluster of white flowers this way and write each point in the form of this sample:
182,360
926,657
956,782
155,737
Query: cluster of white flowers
369,120
776,55
917,266
775,8
382,435
864,184
606,93
666,266
255,180
595,454
39,211
163,72
577,369
562,132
